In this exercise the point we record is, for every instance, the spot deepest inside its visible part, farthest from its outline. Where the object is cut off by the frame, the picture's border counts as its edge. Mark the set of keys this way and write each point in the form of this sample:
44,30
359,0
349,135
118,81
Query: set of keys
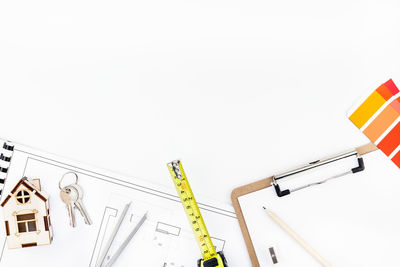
72,196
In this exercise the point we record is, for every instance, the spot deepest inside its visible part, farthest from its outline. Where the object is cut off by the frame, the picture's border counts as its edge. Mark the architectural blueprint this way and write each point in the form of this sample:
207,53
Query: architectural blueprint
165,239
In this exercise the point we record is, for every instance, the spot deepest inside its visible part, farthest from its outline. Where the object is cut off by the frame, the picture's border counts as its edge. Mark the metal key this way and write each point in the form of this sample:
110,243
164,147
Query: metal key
79,204
69,202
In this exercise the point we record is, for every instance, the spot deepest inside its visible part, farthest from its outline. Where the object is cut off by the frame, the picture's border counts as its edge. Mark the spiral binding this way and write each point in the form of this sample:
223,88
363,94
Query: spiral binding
5,159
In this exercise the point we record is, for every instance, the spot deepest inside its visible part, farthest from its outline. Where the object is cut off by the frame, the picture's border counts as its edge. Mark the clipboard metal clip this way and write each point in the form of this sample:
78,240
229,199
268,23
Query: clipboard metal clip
313,165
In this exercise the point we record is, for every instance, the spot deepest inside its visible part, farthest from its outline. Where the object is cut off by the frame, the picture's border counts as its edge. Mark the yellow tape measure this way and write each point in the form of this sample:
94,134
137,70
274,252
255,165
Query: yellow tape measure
210,257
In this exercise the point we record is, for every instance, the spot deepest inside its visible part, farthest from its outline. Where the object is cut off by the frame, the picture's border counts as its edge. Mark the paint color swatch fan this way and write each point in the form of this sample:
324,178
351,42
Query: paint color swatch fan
378,117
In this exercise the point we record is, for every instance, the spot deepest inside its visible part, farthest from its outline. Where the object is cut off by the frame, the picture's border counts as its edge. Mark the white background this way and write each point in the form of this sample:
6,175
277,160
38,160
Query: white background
237,90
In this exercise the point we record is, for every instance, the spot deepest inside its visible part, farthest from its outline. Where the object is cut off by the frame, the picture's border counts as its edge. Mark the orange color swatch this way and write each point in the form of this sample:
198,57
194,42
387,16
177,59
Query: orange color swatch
381,123
396,105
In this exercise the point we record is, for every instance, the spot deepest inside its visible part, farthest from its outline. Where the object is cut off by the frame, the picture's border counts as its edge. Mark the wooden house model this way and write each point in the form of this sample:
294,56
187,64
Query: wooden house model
26,215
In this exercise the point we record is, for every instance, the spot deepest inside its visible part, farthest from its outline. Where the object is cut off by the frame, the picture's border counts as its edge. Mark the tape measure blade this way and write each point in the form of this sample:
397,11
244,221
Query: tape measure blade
192,210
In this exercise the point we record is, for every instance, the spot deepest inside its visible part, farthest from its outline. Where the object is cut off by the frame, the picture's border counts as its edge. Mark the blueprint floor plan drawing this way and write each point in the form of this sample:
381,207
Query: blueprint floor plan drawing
165,238
167,242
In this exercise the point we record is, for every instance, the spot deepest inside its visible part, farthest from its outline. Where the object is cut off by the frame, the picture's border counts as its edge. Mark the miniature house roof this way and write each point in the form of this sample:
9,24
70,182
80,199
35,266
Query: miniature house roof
28,185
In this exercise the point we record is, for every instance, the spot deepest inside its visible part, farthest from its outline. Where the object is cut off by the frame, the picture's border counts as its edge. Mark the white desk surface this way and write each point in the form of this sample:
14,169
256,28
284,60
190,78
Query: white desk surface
236,89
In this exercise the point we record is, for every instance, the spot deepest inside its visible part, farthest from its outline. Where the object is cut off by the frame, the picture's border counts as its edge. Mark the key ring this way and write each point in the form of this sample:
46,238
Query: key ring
76,179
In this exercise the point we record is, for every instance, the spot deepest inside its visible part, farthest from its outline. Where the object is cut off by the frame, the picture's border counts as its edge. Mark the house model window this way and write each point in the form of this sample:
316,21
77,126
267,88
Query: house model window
23,197
26,223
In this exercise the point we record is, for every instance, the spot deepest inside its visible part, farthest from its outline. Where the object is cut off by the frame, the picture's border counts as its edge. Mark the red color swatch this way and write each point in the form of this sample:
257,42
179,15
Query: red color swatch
396,159
392,87
391,141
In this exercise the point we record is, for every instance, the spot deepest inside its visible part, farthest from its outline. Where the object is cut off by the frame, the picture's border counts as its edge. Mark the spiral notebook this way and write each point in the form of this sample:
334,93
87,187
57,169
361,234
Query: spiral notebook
165,239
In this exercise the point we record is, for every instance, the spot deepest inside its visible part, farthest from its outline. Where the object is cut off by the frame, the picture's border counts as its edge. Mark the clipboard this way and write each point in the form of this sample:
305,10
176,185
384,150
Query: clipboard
262,184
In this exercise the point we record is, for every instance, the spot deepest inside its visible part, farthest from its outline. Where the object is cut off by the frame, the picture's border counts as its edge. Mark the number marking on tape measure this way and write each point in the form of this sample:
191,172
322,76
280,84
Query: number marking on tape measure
192,210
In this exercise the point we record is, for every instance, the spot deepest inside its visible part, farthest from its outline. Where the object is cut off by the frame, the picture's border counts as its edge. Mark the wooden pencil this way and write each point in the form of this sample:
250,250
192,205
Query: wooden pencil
296,237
